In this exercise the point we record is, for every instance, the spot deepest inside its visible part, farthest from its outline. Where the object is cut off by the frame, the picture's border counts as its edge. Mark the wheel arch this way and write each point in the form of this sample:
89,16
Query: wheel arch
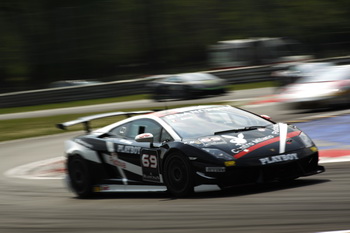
74,148
184,149
166,155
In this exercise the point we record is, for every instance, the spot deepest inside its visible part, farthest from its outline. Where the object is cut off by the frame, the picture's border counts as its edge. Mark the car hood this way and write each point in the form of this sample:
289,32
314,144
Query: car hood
273,140
300,91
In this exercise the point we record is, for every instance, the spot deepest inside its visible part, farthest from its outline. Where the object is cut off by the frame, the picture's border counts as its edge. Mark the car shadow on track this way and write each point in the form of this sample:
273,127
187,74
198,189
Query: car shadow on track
232,192
262,188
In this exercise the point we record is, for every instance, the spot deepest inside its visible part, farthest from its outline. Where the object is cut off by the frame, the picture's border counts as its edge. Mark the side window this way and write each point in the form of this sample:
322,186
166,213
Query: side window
165,136
132,129
120,131
174,79
144,126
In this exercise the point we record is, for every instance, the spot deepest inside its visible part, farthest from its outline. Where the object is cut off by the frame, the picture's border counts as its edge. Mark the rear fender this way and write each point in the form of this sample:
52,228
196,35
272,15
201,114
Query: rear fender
75,148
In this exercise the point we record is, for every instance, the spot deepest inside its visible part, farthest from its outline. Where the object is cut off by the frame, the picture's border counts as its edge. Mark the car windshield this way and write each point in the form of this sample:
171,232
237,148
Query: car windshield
211,120
198,77
332,74
310,67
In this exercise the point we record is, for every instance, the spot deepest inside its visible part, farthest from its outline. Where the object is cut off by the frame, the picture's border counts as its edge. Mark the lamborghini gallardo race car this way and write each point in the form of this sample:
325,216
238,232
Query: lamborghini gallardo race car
179,149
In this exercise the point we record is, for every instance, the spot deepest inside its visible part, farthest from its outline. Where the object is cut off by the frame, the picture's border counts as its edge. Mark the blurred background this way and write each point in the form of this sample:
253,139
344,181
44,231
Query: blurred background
42,42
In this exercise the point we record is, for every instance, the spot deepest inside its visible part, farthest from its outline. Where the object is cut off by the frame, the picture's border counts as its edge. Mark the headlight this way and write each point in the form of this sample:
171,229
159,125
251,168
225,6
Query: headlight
306,140
218,153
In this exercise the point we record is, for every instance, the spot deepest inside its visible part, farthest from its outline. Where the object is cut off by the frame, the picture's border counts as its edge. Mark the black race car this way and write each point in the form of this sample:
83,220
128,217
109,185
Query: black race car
180,149
186,86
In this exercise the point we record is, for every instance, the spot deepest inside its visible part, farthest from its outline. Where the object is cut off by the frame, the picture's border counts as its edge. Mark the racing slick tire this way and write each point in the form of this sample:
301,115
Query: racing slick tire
178,175
80,178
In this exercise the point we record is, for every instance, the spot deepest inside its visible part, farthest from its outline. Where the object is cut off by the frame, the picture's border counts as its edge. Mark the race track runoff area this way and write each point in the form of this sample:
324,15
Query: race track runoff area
331,136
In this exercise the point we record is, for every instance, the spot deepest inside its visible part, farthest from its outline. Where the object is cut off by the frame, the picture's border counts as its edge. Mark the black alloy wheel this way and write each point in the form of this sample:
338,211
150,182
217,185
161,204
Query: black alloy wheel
178,175
80,178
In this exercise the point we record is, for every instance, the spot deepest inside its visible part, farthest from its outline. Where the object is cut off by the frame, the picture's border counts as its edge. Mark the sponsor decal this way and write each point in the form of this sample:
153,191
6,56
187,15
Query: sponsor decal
101,188
174,116
278,158
215,169
115,161
197,142
275,129
149,161
247,145
260,142
150,166
128,149
239,140
242,148
214,140
151,178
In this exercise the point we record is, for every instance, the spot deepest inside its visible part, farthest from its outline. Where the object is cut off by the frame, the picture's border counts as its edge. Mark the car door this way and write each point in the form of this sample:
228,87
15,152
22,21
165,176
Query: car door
175,86
136,162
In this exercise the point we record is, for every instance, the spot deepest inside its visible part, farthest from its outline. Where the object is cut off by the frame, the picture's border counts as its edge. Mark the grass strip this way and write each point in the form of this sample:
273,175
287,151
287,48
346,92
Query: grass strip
72,104
41,126
32,127
117,99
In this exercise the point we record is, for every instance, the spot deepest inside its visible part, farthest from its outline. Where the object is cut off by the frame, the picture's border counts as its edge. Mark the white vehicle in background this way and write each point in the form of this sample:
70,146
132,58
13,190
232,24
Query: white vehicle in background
295,71
327,89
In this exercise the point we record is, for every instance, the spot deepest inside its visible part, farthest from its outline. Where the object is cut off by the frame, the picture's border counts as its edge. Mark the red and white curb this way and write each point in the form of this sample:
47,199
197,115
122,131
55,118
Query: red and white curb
259,102
53,168
334,156
268,99
342,231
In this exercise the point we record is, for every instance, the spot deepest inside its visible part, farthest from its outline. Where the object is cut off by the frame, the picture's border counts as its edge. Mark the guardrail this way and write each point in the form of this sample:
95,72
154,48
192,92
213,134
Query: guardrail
132,87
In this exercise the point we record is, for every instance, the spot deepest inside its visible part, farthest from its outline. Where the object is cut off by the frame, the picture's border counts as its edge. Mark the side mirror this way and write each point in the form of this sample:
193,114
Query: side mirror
266,117
144,137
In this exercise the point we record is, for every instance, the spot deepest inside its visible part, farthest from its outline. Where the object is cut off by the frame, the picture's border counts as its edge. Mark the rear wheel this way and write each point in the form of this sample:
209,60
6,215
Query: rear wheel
80,178
178,175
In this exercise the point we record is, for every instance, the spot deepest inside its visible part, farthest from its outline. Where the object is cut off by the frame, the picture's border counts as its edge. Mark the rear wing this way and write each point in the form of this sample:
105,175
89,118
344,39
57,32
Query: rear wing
86,120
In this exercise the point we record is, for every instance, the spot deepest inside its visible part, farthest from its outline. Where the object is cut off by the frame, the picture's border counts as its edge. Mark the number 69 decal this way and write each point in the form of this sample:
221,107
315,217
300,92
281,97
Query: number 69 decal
149,161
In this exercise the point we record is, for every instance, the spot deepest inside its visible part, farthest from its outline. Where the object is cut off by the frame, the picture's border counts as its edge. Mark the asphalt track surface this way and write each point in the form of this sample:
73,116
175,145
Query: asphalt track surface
317,203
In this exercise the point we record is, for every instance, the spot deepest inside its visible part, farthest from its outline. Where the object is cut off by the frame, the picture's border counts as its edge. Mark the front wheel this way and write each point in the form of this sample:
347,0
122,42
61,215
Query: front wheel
80,176
178,175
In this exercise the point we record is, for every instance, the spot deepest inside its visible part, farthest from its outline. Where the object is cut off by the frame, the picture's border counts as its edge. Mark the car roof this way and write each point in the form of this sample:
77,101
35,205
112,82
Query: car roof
157,115
334,73
194,76
183,109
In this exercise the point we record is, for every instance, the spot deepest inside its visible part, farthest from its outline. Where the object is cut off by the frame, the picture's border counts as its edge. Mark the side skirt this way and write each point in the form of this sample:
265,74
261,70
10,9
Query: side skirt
110,188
